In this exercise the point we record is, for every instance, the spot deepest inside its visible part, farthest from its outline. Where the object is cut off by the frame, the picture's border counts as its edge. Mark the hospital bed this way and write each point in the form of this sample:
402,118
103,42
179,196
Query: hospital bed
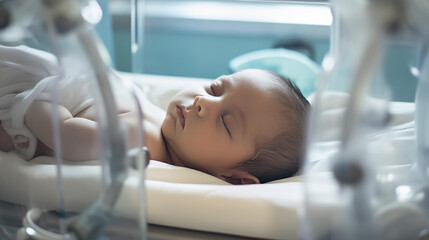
352,186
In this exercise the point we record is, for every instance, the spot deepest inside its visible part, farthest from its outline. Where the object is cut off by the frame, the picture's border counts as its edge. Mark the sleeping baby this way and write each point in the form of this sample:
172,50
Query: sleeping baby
244,128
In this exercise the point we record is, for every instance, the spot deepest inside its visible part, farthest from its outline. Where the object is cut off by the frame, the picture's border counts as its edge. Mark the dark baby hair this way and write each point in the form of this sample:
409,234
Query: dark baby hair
281,156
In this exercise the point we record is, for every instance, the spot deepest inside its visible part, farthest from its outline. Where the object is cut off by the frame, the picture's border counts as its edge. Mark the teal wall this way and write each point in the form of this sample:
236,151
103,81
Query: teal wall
194,55
207,56
397,61
122,48
104,27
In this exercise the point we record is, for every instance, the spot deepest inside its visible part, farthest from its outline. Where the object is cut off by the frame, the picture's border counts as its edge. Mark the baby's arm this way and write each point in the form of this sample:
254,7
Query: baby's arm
78,135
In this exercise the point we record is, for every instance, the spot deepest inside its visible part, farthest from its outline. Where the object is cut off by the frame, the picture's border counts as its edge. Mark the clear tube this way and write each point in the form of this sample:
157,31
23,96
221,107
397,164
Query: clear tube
422,119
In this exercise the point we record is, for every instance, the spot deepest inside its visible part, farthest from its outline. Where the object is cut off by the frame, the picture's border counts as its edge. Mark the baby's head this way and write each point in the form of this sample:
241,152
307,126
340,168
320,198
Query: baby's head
247,127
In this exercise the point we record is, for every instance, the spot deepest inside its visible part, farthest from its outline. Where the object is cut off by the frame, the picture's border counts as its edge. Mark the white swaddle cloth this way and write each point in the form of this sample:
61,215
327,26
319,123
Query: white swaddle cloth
27,75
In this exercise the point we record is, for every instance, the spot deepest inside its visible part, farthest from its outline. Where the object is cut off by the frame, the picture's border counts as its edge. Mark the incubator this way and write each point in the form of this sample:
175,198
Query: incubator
366,173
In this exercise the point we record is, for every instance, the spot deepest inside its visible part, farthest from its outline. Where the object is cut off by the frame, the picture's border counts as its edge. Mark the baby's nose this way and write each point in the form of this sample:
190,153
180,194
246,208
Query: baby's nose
196,104
205,105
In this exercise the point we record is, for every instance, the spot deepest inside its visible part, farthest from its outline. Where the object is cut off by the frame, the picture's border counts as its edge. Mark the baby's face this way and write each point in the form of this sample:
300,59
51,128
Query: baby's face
217,126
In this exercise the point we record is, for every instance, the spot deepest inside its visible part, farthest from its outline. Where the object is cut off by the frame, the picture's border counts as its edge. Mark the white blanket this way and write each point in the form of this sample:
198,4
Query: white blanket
177,196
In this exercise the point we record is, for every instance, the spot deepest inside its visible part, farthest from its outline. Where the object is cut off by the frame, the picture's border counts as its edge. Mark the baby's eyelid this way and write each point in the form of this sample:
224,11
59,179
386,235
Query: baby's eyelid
216,88
213,90
225,125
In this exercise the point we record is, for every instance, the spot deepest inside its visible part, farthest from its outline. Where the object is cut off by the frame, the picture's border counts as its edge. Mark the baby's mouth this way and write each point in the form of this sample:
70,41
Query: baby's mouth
180,115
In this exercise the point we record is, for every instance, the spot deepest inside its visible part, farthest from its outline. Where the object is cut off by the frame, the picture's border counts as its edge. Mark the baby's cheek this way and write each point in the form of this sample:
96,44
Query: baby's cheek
193,146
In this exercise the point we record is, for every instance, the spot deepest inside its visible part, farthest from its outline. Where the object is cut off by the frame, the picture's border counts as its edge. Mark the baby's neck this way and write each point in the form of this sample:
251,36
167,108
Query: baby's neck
155,143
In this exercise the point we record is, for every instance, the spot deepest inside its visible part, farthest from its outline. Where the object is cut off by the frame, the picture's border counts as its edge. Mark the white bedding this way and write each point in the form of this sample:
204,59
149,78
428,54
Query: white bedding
177,196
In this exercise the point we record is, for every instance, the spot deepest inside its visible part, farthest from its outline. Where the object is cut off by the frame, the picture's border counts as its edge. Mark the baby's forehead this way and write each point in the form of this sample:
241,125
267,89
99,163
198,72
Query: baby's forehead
254,78
260,86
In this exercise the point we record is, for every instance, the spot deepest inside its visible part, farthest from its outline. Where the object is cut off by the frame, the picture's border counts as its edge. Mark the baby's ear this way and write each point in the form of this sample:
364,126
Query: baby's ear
237,177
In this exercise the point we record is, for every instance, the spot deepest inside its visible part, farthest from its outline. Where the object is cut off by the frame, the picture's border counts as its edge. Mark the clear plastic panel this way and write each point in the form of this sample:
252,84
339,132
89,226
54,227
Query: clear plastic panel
362,177
68,185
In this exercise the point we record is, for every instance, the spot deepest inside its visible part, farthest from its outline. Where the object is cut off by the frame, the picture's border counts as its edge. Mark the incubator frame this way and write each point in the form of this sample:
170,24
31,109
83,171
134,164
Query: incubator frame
353,174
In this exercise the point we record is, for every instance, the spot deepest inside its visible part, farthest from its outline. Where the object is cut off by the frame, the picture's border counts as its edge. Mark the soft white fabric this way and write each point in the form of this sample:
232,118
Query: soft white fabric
329,124
334,107
26,75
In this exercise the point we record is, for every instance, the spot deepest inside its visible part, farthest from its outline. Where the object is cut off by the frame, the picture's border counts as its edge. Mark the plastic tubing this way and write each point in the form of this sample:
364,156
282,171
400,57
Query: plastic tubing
92,221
